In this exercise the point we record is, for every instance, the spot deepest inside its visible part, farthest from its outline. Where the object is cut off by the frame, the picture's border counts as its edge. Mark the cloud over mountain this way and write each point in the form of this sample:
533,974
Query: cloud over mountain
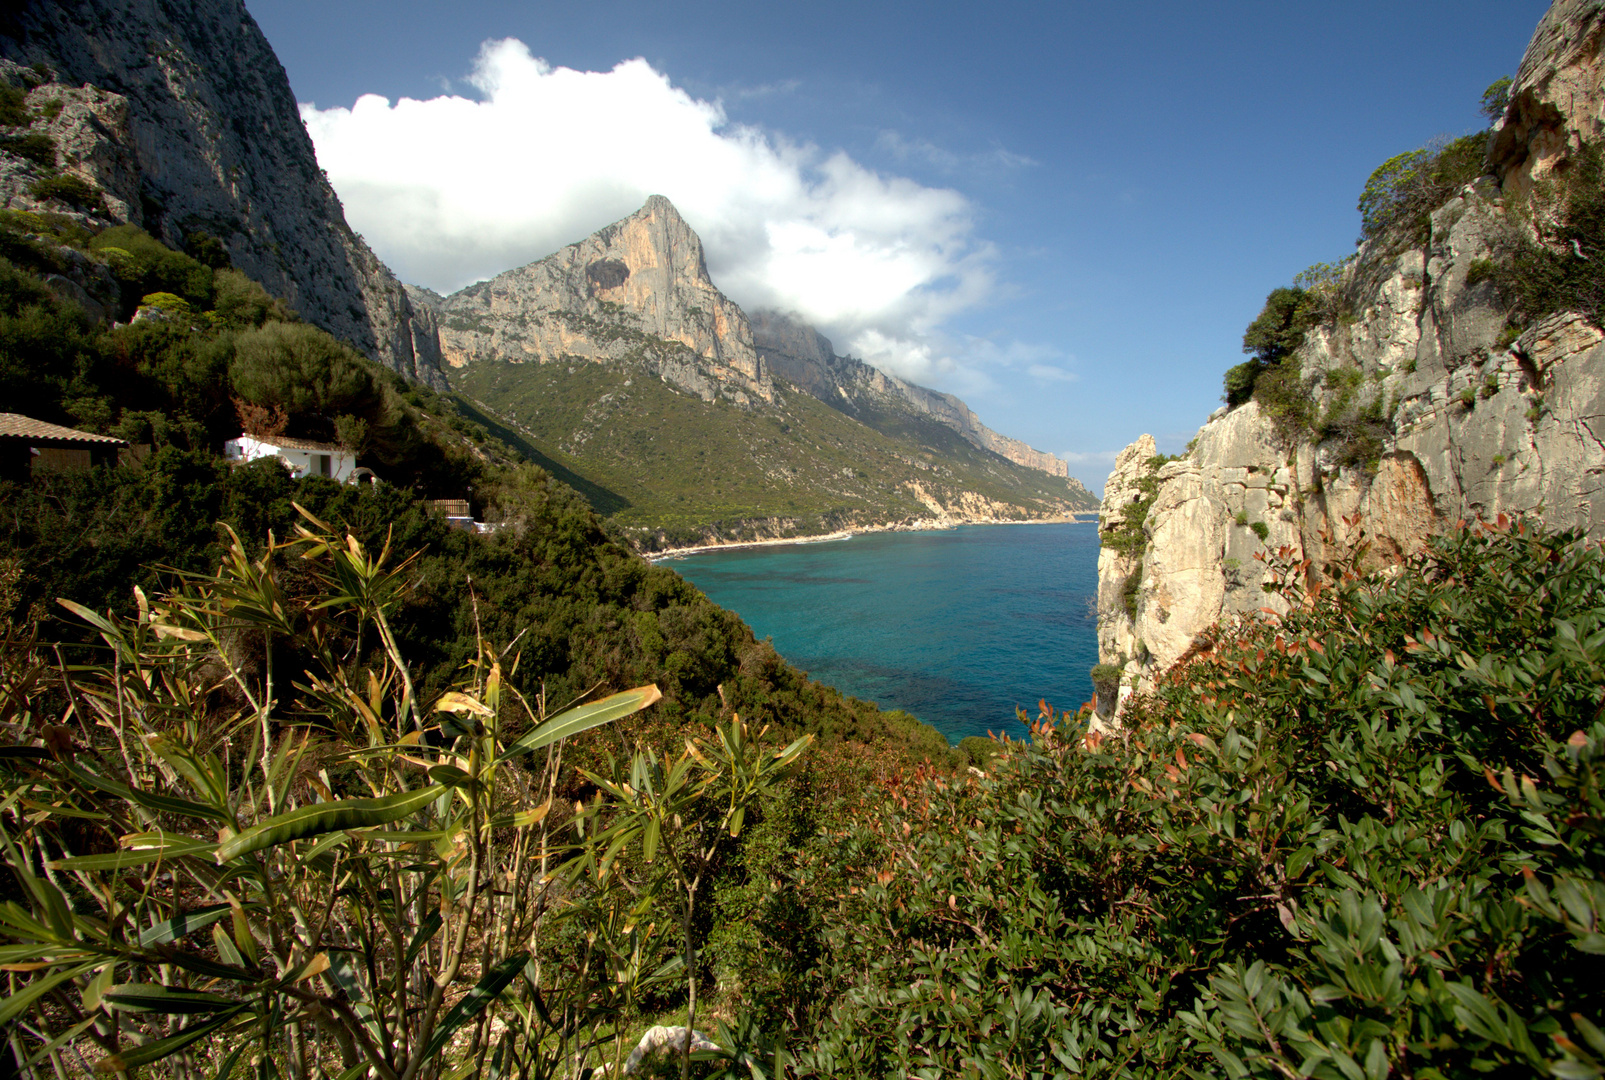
456,189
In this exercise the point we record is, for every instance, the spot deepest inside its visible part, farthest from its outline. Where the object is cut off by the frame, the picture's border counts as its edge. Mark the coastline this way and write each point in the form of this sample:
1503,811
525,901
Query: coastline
921,525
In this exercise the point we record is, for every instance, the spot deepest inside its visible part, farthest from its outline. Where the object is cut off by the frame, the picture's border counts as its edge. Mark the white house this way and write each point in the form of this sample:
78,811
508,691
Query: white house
302,457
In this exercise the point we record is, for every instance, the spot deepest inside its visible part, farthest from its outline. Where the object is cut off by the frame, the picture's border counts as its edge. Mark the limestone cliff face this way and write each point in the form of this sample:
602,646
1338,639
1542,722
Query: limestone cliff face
801,355
637,290
1469,423
183,117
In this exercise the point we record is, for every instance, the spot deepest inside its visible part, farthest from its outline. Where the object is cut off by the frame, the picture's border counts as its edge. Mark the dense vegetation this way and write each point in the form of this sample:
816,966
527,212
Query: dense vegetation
591,613
214,878
1364,840
655,459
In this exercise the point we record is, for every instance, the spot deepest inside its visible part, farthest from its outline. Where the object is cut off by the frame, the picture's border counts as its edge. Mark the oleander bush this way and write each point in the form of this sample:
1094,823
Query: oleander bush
240,838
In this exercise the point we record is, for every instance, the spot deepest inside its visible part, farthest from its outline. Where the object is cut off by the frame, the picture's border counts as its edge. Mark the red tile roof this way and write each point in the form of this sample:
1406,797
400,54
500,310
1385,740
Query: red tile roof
17,426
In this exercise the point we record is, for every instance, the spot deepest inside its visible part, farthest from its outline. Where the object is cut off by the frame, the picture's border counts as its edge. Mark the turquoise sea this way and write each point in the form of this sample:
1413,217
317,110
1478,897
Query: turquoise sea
956,627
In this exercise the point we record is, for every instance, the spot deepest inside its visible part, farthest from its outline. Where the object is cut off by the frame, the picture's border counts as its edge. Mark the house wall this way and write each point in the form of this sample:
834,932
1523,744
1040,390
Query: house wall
301,463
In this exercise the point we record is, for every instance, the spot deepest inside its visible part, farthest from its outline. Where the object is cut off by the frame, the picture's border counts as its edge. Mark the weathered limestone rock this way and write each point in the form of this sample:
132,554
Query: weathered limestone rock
638,289
183,117
1467,425
801,355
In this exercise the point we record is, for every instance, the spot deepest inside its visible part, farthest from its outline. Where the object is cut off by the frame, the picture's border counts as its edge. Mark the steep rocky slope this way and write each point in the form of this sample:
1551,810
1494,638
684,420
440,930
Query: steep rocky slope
637,289
1426,404
803,356
178,112
622,365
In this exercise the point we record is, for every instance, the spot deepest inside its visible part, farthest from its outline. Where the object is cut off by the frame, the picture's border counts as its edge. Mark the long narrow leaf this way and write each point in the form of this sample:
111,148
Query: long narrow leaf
149,800
180,925
327,817
155,998
134,1056
18,1003
583,718
227,1067
475,1001
122,860
55,1044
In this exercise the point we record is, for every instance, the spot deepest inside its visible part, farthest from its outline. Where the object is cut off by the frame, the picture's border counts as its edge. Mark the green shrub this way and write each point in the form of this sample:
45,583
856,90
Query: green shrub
13,107
1468,396
1261,530
1240,380
143,265
1495,99
1273,336
1400,196
1288,400
1564,269
166,301
207,250
245,837
1130,539
1242,518
1366,840
1479,271
240,303
1130,588
979,750
1278,330
72,190
35,146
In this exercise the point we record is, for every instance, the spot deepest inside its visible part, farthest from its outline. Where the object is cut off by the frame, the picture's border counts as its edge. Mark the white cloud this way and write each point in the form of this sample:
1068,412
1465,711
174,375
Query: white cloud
991,163
453,190
1052,373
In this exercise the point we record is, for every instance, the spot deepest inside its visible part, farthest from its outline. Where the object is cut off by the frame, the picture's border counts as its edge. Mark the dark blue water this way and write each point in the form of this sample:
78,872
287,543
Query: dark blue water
956,627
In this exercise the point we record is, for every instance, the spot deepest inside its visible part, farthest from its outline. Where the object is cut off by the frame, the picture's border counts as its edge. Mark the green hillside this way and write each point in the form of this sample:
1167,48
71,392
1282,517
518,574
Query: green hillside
589,613
650,456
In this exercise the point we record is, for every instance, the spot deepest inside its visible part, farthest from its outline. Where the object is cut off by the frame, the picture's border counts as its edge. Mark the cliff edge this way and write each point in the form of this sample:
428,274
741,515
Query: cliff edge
1434,384
181,116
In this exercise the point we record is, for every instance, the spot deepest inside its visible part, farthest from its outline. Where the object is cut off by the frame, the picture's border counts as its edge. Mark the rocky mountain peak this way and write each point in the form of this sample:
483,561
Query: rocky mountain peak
635,290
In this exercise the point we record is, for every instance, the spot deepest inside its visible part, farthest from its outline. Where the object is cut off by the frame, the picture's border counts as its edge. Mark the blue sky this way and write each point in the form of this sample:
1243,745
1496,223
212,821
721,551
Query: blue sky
1065,213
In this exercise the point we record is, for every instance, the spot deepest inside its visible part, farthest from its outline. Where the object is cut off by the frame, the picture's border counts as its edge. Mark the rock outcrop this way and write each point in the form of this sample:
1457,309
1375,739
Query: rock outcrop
182,117
637,289
803,356
1425,410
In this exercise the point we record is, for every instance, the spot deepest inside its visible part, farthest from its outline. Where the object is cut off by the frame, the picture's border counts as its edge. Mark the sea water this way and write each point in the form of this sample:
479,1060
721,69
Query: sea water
958,627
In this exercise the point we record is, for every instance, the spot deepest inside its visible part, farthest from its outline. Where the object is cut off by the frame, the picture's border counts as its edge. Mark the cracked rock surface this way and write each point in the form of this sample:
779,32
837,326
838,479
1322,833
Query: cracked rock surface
1477,424
179,112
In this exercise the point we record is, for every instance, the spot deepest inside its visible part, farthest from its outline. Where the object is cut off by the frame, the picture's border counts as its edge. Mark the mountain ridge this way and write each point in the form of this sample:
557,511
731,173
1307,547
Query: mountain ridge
801,354
635,297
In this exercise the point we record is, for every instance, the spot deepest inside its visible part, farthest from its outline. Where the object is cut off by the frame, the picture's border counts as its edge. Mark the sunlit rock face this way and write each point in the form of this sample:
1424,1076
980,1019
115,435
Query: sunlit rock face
1476,424
180,114
635,290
